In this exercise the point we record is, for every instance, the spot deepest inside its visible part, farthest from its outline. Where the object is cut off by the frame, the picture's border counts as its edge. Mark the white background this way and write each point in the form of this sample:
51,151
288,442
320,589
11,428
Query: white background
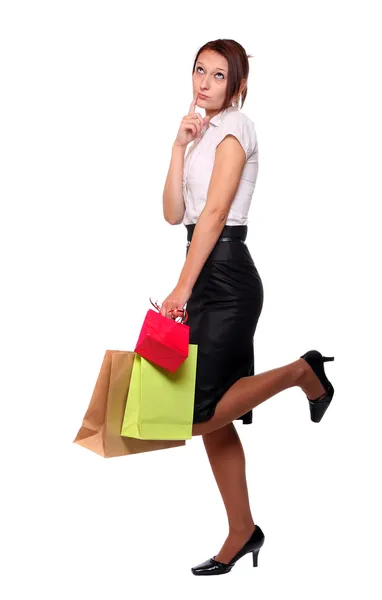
92,95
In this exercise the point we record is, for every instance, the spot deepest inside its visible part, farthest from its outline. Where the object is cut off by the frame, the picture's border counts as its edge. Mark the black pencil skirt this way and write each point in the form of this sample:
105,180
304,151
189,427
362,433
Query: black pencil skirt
223,311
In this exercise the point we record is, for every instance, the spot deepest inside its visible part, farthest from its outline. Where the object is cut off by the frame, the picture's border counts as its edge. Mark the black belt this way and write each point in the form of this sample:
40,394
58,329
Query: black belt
224,239
230,233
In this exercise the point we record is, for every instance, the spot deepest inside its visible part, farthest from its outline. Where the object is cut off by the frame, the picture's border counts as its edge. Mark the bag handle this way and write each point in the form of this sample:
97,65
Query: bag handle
185,313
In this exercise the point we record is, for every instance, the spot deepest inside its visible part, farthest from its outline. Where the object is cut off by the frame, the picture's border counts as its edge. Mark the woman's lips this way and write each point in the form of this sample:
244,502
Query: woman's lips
203,97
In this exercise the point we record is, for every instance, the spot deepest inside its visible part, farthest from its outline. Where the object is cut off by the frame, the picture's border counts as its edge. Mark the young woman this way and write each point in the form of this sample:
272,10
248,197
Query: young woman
210,192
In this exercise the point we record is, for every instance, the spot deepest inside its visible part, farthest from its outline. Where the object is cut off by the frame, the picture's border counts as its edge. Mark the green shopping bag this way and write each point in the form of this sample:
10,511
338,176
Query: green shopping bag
160,404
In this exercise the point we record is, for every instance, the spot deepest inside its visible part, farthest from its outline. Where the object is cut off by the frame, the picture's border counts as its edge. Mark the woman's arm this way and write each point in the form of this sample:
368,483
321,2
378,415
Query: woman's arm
173,203
190,128
229,162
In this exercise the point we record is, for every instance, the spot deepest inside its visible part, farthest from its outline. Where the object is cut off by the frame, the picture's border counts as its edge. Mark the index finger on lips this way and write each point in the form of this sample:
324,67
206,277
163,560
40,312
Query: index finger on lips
193,103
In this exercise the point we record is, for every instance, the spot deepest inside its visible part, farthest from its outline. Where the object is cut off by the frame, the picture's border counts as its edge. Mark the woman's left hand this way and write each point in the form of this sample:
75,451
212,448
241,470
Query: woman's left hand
175,301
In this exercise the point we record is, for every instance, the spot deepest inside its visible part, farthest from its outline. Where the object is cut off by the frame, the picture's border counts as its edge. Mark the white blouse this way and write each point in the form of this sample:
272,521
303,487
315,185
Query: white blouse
199,162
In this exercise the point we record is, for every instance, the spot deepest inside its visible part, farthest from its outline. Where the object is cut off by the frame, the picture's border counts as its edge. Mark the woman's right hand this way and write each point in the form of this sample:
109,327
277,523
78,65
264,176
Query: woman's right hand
191,125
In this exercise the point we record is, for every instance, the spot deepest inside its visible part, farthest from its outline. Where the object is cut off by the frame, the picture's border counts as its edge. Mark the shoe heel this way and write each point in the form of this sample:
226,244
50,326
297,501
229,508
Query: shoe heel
255,554
327,358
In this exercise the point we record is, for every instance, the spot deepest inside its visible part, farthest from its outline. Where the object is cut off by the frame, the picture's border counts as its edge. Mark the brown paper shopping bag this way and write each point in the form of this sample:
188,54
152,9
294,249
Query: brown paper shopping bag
101,426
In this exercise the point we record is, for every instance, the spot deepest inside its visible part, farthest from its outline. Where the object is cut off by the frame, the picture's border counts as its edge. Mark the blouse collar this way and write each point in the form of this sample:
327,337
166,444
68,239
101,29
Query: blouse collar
218,117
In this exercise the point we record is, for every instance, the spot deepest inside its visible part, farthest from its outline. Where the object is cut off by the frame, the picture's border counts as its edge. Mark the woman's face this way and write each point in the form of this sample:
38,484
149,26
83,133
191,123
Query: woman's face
210,79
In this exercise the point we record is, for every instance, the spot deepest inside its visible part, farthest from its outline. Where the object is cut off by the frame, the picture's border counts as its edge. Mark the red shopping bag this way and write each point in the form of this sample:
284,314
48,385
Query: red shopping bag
164,341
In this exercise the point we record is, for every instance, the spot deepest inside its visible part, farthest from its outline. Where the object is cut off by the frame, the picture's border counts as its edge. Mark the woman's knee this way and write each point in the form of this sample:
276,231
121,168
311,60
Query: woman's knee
219,435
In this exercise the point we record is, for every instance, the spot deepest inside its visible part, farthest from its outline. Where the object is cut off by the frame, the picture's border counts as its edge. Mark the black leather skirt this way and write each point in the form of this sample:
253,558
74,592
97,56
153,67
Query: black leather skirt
223,311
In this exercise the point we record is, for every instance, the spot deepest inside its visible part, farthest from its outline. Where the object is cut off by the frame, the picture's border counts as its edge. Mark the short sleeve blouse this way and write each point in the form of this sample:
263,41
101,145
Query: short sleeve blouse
199,162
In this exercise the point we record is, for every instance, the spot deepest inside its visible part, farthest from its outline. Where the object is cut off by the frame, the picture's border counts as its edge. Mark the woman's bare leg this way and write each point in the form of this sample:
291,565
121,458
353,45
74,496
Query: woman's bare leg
226,455
224,448
249,392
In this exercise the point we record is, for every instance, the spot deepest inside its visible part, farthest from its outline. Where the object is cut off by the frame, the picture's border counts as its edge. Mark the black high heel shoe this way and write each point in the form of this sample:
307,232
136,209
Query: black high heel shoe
319,406
214,567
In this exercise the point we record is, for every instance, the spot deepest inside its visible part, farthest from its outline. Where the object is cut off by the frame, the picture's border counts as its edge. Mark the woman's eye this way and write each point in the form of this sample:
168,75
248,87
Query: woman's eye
216,73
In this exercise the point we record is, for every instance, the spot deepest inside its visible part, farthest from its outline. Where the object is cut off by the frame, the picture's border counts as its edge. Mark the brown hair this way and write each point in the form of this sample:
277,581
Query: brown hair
238,66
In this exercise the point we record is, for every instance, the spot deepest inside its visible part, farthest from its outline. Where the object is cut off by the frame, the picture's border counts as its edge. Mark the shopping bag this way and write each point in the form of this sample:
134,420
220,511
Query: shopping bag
160,405
163,341
101,426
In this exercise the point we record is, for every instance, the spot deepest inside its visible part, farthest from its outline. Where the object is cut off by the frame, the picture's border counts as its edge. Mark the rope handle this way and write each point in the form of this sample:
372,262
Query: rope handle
183,319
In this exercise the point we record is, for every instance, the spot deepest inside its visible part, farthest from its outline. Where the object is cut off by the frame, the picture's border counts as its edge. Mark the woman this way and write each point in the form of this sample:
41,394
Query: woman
210,192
